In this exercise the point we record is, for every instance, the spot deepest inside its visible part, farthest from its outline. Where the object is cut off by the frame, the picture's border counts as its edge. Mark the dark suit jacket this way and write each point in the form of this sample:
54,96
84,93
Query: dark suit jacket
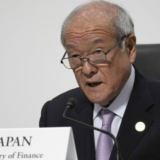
144,106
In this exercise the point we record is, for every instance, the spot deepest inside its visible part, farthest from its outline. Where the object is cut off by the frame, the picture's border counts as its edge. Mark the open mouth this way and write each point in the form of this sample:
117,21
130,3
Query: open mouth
94,84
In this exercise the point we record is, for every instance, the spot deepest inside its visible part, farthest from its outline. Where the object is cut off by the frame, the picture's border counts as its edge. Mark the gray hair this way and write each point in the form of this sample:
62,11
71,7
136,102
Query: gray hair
120,20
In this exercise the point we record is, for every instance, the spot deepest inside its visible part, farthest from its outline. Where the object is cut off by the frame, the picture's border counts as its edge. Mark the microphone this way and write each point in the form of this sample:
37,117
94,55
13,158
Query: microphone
71,103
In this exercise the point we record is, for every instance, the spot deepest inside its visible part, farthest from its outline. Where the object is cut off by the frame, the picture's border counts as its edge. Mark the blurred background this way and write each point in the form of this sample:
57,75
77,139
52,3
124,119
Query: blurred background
30,53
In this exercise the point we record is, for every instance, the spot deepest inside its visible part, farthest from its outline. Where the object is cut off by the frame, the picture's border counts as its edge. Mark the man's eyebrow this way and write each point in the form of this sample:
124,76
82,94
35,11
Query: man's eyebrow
97,41
70,46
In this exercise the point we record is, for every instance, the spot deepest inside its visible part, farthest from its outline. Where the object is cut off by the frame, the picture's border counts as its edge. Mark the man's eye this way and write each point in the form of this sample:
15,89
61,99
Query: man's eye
98,52
75,56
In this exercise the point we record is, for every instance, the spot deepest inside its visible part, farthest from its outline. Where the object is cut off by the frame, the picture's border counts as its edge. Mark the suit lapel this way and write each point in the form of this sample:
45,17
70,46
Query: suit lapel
84,137
136,111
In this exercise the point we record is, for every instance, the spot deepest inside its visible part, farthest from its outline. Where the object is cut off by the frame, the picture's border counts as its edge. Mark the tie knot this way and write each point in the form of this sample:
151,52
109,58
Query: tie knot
107,117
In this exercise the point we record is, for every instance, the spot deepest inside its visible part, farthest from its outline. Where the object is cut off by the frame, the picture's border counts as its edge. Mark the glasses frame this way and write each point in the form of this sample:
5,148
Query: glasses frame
81,59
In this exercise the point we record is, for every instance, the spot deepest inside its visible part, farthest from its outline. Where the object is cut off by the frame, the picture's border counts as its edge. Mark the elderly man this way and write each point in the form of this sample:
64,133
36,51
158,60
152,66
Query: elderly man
100,49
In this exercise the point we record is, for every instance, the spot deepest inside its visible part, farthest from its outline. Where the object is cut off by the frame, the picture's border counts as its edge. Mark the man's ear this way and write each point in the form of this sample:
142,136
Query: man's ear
131,47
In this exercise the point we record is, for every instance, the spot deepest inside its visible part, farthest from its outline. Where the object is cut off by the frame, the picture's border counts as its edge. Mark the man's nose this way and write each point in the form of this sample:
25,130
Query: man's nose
88,69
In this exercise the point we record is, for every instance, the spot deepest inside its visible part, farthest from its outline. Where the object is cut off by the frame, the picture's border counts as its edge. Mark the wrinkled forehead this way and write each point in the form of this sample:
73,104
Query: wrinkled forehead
86,28
88,25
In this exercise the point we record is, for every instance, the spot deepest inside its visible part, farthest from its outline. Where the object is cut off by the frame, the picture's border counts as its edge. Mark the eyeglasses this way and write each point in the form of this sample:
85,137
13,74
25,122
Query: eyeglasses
96,57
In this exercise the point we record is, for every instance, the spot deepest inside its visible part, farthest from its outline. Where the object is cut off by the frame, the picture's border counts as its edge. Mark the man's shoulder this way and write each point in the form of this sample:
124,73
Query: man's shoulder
76,92
59,102
146,87
153,87
146,81
153,81
154,84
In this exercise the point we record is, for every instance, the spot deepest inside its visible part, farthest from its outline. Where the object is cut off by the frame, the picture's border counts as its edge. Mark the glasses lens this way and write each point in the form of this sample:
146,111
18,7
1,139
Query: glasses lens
97,57
72,62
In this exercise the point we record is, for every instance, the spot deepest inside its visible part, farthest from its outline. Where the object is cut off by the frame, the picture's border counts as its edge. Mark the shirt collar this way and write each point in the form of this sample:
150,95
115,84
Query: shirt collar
118,106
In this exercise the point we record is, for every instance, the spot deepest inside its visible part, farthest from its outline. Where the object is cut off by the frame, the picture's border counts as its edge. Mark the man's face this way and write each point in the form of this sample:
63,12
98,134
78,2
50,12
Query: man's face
101,83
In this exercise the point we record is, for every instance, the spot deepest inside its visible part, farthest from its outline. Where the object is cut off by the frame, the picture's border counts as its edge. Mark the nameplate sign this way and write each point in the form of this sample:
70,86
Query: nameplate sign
37,143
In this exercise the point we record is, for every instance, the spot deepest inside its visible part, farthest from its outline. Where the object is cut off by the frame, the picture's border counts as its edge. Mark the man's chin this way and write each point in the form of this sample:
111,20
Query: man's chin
98,100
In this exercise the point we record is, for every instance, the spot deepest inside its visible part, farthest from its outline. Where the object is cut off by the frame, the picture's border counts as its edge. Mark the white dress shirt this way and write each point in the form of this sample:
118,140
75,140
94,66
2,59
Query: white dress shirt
118,106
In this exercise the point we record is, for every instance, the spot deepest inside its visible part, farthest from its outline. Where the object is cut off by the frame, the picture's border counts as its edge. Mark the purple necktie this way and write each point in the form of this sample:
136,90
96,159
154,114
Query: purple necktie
105,143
